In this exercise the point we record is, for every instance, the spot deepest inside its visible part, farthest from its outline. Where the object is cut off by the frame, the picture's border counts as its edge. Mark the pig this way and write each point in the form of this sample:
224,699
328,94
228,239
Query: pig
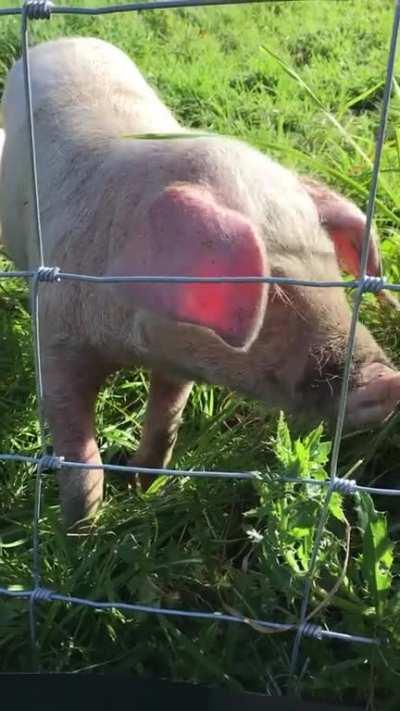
116,205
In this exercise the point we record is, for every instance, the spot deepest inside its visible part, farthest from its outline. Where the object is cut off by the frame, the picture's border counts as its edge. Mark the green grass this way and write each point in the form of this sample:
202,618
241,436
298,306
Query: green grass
303,82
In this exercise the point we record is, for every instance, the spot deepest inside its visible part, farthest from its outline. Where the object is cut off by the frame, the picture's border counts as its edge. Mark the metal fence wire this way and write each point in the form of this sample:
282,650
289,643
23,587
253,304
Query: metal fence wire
42,10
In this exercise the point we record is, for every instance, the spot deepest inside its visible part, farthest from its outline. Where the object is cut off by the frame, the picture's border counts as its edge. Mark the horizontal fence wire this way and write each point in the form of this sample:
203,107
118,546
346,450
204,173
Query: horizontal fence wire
370,284
352,334
341,485
309,629
137,6
40,9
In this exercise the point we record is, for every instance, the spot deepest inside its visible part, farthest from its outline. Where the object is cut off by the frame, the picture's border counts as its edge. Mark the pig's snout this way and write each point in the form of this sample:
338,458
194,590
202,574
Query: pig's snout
375,397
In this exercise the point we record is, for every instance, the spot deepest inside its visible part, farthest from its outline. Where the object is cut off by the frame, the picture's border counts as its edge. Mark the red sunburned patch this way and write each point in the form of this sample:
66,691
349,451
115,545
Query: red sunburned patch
187,233
228,308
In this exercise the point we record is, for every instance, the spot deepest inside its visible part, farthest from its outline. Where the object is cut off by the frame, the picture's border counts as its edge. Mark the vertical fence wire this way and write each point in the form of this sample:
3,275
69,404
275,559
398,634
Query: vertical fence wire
36,562
358,296
367,237
41,9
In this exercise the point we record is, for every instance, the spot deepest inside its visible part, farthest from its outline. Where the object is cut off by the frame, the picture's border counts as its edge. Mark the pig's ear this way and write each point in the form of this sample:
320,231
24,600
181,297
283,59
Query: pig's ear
185,232
345,224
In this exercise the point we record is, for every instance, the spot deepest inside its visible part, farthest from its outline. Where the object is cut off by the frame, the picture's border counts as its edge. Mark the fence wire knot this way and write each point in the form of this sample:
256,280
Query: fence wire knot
372,284
48,274
41,595
343,486
307,629
49,462
38,9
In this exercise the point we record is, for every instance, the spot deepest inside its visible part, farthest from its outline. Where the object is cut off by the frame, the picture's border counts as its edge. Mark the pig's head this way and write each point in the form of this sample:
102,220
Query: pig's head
374,385
230,337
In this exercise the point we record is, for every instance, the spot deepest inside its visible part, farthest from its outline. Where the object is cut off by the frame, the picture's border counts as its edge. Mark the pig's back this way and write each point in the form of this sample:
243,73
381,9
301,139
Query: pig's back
85,94
240,177
85,84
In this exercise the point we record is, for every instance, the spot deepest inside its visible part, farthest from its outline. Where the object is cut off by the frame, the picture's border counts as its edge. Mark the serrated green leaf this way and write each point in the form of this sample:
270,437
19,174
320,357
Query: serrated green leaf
377,556
336,507
283,442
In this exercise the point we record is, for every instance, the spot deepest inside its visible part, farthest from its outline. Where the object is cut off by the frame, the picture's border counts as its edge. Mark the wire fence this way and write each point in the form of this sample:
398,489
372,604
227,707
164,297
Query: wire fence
40,10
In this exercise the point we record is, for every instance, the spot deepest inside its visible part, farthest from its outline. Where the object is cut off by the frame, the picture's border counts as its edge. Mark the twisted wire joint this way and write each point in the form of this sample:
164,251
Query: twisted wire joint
372,284
41,595
49,462
38,9
307,629
48,274
343,486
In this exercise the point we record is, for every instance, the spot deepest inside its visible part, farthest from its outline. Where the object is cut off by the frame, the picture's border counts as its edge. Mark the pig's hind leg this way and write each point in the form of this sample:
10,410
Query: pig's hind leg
167,399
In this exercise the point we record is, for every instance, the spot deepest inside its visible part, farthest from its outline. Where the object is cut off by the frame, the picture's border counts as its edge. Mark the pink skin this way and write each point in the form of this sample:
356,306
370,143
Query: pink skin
192,214
375,397
178,355
209,240
205,207
378,390
345,224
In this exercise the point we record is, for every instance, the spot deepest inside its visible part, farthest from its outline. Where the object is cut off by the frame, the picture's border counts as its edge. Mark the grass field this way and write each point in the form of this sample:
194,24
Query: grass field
302,81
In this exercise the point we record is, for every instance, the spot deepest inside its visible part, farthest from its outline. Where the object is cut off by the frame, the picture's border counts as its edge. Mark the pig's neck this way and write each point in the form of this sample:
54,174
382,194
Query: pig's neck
191,352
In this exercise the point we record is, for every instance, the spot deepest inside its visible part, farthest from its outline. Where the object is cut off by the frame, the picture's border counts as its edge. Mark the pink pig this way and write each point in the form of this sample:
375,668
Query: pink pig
208,206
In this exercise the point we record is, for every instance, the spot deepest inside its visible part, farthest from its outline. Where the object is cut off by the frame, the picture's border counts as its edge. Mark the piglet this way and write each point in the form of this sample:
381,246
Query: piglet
203,206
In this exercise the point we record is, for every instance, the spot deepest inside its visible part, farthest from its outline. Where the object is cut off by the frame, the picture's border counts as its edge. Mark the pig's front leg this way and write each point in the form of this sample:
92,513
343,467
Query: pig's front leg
167,399
71,384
